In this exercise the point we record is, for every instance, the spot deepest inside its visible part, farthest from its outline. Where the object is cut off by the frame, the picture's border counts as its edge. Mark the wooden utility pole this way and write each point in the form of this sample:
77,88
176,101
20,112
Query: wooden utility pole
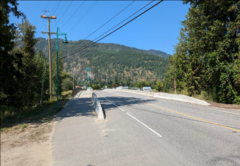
49,48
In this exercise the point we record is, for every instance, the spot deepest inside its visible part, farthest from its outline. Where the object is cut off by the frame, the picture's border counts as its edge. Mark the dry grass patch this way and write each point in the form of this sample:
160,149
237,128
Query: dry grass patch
26,136
26,144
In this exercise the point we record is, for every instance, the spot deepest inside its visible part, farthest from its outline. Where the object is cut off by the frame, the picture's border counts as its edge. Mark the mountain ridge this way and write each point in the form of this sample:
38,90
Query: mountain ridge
150,51
113,61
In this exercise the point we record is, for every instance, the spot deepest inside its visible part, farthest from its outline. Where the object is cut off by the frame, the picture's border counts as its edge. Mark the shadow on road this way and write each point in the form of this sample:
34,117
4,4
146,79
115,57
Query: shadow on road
230,160
83,106
121,101
76,107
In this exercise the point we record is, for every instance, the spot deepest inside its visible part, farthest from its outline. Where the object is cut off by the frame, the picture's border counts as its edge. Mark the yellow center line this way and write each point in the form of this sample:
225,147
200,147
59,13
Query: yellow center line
185,115
194,117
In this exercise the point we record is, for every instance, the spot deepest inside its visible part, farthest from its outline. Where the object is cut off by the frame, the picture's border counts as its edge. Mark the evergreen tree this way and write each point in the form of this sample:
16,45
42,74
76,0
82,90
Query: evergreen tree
9,75
41,83
207,56
29,81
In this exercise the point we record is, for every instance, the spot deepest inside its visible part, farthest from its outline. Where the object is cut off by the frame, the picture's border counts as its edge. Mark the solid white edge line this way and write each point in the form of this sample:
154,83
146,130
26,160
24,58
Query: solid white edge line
144,124
134,118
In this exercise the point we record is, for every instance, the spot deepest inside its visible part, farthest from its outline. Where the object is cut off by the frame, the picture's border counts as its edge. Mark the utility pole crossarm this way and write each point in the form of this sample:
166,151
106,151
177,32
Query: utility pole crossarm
48,17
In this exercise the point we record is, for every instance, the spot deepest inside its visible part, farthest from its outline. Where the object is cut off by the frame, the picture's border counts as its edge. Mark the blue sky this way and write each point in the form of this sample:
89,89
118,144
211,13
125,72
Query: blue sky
157,29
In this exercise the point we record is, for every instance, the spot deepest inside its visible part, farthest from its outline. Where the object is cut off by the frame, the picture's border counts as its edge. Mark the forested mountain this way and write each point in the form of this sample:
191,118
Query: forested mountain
157,52
109,61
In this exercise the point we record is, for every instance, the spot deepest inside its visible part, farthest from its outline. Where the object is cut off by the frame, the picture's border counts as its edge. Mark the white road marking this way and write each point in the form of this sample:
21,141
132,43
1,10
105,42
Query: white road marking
144,125
133,117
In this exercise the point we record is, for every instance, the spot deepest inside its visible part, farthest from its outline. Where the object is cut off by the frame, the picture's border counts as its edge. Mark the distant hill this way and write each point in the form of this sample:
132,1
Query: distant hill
109,60
157,52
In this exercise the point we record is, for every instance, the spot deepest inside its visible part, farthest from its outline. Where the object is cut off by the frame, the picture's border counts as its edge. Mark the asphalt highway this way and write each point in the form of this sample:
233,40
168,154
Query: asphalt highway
185,134
145,131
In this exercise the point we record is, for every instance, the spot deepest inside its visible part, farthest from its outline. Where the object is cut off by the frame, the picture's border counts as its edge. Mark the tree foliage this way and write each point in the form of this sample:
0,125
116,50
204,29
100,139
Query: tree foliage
9,75
207,55
25,82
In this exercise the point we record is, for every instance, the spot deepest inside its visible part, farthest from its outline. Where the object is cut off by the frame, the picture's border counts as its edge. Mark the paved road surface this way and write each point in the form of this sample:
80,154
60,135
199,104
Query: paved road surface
145,131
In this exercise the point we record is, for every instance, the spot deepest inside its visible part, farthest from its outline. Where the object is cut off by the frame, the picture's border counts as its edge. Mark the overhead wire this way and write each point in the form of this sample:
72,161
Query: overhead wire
119,27
125,19
47,5
64,13
83,16
87,45
122,25
111,19
73,14
108,20
120,22
57,7
54,7
61,8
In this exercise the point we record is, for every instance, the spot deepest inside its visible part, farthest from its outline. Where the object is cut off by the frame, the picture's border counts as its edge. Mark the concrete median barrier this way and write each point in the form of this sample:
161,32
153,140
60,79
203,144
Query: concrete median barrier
96,104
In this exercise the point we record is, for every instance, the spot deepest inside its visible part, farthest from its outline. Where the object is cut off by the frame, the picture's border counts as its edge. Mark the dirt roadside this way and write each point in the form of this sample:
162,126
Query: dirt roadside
26,136
226,106
27,145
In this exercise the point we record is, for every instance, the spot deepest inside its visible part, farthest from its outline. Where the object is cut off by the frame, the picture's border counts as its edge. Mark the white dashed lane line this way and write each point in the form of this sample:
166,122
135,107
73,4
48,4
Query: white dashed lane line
133,117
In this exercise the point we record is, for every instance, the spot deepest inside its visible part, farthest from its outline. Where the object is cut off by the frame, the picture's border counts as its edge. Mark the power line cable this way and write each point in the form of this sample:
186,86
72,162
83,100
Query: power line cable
73,14
111,19
108,20
64,12
47,5
83,16
54,7
62,8
118,23
120,27
55,11
57,6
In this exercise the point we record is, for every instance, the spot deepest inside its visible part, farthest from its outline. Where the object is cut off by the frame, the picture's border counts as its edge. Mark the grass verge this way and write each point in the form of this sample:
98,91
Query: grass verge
39,114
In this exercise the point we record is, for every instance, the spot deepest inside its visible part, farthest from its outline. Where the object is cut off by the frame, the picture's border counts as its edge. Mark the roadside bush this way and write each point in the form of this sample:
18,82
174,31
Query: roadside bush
67,84
96,86
115,85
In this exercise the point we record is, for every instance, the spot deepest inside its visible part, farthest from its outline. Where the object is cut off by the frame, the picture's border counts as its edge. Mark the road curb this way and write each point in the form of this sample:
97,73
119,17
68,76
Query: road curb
168,96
